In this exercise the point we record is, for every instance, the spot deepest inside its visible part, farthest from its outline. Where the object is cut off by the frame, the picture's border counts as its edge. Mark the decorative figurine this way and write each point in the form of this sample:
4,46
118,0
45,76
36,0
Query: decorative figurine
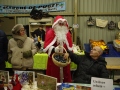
15,82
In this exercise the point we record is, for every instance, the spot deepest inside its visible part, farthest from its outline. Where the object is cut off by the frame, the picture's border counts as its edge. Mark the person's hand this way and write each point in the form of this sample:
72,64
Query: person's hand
57,49
27,54
66,55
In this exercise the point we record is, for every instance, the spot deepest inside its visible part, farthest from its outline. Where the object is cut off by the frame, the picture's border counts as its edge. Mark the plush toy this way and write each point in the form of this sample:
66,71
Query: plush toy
15,82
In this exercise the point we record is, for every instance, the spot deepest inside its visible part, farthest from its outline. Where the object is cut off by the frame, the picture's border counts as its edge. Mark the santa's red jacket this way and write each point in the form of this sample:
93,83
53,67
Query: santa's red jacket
49,44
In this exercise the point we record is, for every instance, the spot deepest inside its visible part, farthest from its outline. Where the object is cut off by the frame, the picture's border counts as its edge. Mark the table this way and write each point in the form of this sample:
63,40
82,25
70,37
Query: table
113,64
89,85
40,61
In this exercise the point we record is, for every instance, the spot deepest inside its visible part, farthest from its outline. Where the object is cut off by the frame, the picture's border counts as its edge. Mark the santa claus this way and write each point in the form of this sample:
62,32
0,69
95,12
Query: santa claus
57,36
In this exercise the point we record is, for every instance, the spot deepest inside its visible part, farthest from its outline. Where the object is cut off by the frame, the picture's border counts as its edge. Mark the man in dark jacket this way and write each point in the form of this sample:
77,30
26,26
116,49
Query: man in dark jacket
41,33
3,49
89,65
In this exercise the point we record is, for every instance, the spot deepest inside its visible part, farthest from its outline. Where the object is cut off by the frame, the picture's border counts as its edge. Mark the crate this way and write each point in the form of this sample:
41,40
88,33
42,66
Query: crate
40,61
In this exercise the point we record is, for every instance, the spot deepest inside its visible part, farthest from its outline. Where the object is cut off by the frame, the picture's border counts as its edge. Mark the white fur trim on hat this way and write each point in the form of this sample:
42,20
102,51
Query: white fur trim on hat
101,23
58,21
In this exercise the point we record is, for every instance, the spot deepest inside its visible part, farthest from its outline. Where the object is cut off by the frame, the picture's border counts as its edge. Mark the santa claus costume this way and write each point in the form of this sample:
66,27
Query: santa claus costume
58,35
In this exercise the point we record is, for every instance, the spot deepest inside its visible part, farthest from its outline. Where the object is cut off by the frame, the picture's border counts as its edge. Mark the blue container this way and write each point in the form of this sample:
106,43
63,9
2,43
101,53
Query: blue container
118,88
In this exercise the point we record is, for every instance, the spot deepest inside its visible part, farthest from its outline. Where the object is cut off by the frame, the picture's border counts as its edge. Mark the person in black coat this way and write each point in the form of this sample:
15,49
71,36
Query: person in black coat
3,49
88,65
41,33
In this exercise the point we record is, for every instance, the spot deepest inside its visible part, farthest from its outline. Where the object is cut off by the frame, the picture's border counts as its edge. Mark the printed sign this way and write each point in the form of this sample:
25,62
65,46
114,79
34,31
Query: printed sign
101,84
10,9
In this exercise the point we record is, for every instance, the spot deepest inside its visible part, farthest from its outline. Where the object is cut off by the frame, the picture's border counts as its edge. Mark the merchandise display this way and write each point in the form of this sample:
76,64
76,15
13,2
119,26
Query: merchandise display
116,44
100,43
44,82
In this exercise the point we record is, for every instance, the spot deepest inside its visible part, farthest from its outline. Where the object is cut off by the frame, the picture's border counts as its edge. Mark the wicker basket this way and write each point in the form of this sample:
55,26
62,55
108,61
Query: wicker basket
60,64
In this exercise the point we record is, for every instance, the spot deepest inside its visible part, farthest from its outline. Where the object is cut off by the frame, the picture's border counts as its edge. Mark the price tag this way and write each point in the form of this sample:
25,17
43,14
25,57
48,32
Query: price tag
101,84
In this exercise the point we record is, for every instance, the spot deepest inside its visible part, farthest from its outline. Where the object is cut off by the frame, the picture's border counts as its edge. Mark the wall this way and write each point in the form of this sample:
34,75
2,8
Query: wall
7,25
103,9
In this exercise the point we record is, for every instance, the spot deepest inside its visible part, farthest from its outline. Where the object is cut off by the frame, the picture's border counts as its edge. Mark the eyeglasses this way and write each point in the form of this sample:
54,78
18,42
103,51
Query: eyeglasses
61,23
22,30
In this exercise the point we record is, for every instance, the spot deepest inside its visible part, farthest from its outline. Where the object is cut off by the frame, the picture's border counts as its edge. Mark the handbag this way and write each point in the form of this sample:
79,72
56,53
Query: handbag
90,22
111,25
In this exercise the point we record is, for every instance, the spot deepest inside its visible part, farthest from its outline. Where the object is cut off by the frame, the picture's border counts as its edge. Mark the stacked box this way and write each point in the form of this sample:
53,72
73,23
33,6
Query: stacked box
116,44
40,61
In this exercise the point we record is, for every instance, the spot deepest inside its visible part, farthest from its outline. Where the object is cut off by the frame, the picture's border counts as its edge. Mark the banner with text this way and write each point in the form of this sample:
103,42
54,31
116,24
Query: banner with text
26,9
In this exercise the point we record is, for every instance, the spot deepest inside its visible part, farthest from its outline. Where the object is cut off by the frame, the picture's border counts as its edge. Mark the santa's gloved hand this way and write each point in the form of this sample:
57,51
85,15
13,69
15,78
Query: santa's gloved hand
57,49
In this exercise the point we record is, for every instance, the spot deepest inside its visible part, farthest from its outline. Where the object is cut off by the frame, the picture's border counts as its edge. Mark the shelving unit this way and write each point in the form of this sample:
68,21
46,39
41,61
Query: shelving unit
34,24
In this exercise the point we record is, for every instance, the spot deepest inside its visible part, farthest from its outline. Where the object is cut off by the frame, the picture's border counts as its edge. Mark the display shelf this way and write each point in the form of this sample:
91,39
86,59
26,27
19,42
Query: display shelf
34,24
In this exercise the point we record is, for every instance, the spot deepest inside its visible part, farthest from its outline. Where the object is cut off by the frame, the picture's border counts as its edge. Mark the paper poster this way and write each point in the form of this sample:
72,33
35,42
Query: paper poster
101,84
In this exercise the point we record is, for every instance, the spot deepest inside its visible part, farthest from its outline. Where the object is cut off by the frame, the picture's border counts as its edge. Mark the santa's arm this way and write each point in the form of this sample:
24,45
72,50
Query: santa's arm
50,39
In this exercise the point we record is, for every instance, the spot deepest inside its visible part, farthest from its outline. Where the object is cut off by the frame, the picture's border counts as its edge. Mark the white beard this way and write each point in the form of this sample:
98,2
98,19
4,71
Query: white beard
60,32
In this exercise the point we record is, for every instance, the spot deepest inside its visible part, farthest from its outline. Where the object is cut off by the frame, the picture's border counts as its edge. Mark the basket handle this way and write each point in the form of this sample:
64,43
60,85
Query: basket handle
63,48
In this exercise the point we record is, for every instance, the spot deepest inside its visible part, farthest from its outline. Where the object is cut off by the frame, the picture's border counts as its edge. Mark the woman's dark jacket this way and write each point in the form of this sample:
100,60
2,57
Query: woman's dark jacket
87,68
3,47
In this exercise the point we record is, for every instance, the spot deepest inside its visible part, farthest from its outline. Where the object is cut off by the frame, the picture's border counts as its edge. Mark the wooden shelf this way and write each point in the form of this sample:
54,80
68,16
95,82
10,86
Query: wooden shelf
44,21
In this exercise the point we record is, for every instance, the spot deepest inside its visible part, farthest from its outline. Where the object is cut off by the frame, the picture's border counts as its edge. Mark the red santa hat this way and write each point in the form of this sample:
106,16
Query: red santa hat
59,18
